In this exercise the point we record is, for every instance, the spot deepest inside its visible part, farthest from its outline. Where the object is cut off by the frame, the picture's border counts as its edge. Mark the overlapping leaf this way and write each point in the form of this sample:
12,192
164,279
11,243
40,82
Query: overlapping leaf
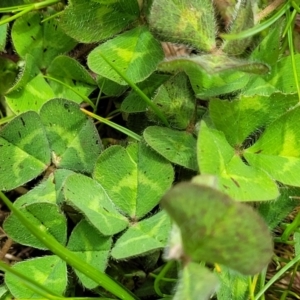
47,216
145,236
240,181
30,91
216,229
73,139
74,75
24,150
238,119
135,53
129,176
44,41
196,281
48,271
277,152
91,247
90,198
176,101
179,147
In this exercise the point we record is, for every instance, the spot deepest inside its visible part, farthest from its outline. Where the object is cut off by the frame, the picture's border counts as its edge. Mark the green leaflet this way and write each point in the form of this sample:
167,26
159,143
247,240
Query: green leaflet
44,41
134,103
73,74
24,150
135,53
178,147
49,271
31,90
212,75
47,216
188,22
240,181
176,100
216,229
143,237
129,177
277,151
196,281
240,118
91,247
73,139
89,197
99,21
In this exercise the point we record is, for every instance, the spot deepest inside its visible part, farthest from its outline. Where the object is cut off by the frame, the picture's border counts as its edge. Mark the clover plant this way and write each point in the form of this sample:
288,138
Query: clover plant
157,209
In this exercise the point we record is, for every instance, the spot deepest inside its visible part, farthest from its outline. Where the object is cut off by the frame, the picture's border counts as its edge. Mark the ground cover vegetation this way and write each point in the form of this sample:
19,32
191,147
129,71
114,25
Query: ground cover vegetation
149,149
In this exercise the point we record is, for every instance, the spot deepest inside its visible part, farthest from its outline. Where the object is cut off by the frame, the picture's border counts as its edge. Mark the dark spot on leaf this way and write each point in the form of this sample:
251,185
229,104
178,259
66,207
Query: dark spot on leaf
259,151
45,49
74,81
113,60
105,209
19,134
23,122
158,104
33,37
168,148
66,105
225,186
235,182
28,24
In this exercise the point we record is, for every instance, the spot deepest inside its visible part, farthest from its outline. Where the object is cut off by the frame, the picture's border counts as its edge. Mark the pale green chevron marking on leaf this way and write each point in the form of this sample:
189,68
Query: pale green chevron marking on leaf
278,149
179,147
90,198
46,215
24,150
99,21
90,246
135,53
195,280
216,229
240,181
129,177
237,119
48,271
188,22
73,138
147,235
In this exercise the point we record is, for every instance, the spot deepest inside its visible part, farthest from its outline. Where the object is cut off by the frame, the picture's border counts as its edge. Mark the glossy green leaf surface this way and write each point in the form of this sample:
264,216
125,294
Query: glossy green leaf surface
140,238
129,177
91,247
24,150
216,229
178,147
49,271
73,139
240,181
135,53
187,22
89,197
